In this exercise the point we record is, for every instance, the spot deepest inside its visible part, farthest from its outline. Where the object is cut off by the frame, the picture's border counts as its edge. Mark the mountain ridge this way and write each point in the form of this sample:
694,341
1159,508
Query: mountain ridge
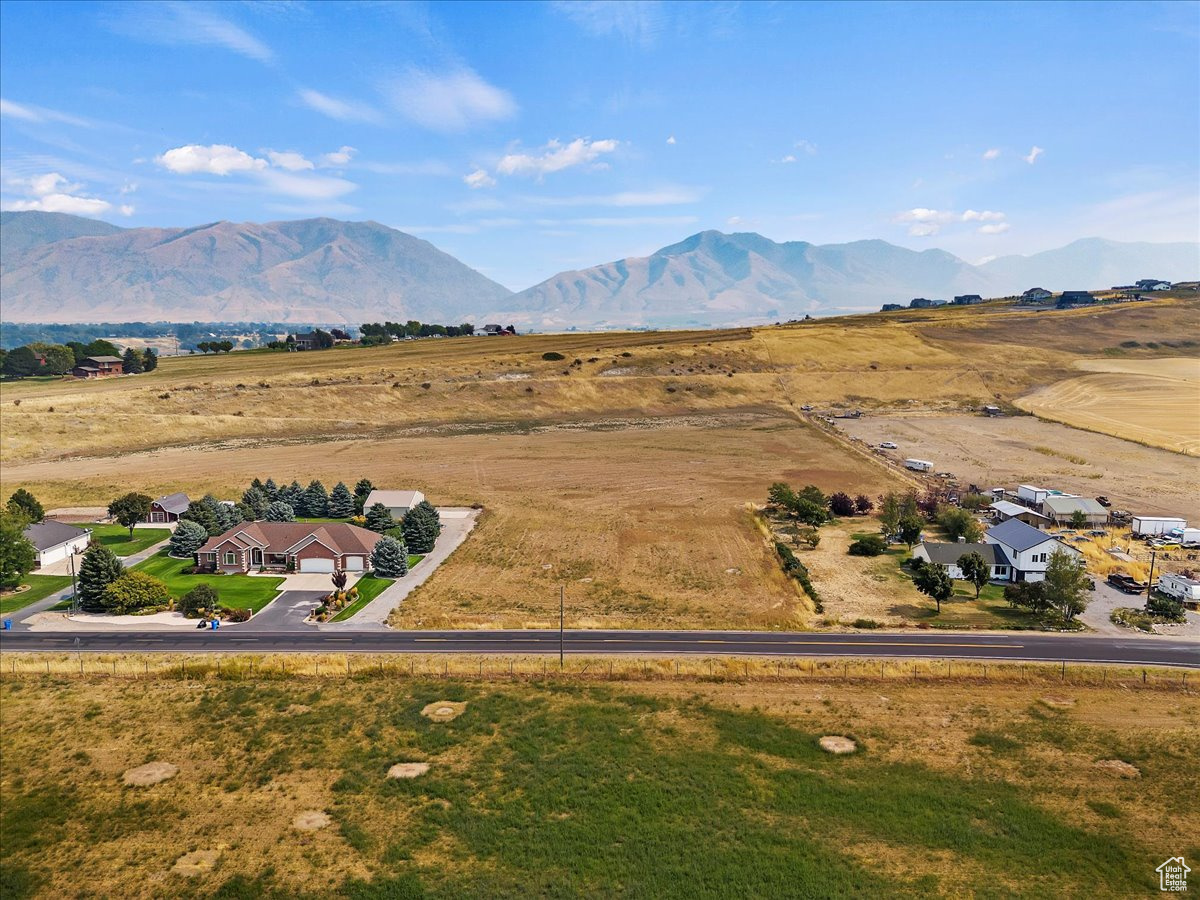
62,268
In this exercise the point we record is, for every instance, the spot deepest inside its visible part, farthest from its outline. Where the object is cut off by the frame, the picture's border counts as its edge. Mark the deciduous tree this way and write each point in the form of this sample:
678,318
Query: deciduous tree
975,570
130,509
200,600
841,504
1067,584
26,505
933,581
17,554
863,504
909,529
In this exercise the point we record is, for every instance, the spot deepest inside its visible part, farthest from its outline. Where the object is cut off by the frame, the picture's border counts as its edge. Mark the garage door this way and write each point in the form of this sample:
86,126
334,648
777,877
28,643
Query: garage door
354,563
316,565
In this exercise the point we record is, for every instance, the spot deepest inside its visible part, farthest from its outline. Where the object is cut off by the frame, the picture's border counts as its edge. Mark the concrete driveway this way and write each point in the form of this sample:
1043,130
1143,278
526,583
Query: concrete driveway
310,581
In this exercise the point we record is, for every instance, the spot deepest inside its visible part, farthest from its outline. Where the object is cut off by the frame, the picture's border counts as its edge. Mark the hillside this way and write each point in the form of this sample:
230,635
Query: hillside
66,269
713,278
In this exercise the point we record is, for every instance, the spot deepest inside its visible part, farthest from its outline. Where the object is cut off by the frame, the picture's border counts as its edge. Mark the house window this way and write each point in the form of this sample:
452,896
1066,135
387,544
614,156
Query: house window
230,558
1001,571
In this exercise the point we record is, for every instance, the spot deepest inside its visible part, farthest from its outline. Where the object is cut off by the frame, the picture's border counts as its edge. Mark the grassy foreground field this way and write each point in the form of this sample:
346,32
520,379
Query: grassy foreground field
682,788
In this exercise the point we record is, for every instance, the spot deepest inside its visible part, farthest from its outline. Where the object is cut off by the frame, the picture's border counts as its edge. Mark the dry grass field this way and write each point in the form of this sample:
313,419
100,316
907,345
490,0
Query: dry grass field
710,786
1152,401
622,470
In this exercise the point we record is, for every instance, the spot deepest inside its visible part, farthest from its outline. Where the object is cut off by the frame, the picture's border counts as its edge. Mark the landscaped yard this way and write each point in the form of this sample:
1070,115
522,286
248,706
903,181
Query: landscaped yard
235,591
116,537
40,587
369,587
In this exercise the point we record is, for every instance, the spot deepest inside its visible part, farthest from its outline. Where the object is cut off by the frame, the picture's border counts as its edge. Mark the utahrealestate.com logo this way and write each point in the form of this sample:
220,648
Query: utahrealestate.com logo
1172,875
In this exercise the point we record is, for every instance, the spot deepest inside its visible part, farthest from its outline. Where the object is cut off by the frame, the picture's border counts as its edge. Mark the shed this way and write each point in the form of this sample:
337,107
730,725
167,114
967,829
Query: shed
397,502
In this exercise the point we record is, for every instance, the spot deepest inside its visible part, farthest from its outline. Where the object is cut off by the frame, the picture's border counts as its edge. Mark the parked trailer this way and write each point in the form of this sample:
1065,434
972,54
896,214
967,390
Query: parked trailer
1148,526
918,465
1180,587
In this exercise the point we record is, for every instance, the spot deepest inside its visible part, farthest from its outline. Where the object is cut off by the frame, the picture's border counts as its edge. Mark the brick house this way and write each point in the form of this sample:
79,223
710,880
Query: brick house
289,547
99,367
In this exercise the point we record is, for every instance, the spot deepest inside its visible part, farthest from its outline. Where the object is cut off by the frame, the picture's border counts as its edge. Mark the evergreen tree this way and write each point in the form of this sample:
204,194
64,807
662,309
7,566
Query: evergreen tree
341,502
256,500
278,511
379,518
257,483
271,489
187,539
362,491
420,530
293,496
429,510
149,359
389,559
131,362
17,553
203,515
26,505
99,568
316,500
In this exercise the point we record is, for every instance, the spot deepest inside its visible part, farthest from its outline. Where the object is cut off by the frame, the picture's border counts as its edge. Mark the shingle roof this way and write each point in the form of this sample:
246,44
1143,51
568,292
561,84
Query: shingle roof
174,503
1016,535
948,554
277,537
51,533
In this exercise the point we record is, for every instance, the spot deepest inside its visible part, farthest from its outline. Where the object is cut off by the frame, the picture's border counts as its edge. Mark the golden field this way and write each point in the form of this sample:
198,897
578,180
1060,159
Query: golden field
1152,401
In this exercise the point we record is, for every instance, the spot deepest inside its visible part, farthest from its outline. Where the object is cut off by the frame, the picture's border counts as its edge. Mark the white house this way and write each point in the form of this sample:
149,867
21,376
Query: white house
1003,510
1027,549
397,502
56,541
947,556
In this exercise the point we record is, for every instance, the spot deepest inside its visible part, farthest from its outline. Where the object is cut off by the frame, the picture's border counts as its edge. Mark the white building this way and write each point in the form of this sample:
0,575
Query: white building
397,502
947,556
1063,507
56,541
1147,526
1027,549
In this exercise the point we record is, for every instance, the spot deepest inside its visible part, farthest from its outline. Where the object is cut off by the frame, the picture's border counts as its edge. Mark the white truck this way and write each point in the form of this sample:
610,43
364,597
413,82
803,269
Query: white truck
1149,526
918,465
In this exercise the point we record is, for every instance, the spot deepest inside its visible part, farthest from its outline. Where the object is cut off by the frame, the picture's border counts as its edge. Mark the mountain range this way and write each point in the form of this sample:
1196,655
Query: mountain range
61,268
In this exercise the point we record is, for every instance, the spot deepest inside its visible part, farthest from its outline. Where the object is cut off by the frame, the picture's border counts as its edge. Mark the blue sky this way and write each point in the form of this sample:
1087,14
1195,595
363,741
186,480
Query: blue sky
528,138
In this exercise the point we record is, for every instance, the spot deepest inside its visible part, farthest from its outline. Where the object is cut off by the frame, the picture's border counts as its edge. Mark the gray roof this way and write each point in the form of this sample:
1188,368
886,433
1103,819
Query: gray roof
948,554
174,503
1008,508
1016,535
1064,506
52,533
107,359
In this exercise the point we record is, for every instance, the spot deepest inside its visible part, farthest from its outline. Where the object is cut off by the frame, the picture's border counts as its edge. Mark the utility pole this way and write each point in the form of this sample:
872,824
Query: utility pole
1150,580
74,589
562,600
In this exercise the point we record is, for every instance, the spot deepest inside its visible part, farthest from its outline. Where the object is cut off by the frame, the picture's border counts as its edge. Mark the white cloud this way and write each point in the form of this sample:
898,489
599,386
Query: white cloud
308,187
1034,153
807,147
215,159
992,153
177,22
342,110
479,179
733,221
635,21
998,228
671,139
53,193
339,157
126,209
788,159
27,113
289,160
555,157
923,222
451,101
665,196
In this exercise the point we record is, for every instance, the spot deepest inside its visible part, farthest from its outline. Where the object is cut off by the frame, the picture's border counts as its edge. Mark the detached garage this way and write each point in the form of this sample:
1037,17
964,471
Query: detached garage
56,541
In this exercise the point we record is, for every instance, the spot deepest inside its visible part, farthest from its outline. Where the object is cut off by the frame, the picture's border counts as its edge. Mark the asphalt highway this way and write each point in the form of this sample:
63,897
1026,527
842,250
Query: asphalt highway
1000,647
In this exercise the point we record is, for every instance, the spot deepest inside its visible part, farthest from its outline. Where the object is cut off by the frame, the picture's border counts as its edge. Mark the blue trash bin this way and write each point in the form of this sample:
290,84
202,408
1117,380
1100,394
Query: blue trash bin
216,623
8,624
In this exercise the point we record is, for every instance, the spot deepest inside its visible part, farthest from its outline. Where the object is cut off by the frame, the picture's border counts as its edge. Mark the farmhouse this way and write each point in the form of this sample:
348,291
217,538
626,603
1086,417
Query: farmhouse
289,547
920,303
55,541
99,367
1003,510
1153,284
397,502
967,299
308,341
168,508
1036,295
1027,549
947,556
1075,298
1062,508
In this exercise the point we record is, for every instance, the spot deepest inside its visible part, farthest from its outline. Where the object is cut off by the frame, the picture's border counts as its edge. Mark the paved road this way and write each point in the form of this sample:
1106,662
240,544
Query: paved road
1000,647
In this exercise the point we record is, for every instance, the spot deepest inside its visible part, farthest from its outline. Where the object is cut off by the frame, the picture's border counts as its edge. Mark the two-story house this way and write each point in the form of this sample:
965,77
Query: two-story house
1027,549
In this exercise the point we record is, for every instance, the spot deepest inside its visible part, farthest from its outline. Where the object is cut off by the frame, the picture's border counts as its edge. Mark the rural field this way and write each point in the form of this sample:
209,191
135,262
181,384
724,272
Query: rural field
1152,401
709,787
625,469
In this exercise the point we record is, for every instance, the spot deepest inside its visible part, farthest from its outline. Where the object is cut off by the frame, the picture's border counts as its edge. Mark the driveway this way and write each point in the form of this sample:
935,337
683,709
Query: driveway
1106,598
286,612
457,523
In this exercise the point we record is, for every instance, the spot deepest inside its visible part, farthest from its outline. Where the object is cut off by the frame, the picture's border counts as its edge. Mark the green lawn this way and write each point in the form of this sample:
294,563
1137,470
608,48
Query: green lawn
40,587
116,537
235,591
369,587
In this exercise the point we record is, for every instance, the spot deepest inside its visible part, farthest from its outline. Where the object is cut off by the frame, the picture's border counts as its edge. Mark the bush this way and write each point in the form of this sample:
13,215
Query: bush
871,545
238,615
199,599
866,623
552,356
134,591
842,504
796,569
1165,609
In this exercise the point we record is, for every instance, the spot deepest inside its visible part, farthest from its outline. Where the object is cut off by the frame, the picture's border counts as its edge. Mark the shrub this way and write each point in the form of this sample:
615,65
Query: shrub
238,615
134,591
552,356
870,545
200,599
841,504
797,570
1164,608
866,623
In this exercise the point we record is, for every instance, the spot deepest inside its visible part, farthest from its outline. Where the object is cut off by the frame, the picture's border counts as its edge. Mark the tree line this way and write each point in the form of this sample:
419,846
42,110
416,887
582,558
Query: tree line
377,333
39,358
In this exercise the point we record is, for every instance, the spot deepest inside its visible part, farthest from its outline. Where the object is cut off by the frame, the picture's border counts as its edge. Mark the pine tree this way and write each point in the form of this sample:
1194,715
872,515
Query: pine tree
293,496
389,559
279,511
187,539
149,359
203,515
271,489
99,568
379,518
256,499
131,362
420,530
341,502
316,500
429,510
362,490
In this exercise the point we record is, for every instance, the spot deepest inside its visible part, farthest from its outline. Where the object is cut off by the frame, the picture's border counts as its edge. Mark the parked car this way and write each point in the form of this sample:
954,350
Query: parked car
1165,545
888,445
1103,501
1097,533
